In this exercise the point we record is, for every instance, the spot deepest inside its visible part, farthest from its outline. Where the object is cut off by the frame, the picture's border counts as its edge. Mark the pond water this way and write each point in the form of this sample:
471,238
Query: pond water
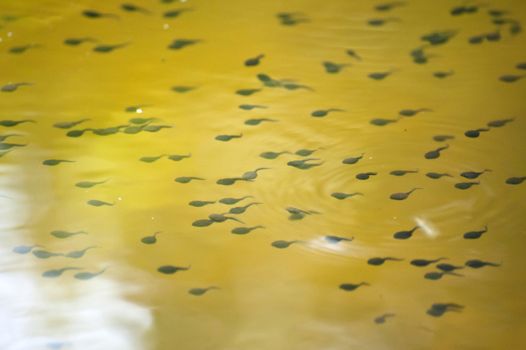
209,174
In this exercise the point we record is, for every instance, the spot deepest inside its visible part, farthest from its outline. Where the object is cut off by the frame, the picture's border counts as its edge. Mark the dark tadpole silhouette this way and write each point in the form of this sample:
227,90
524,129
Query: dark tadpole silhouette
280,244
406,234
77,254
382,318
107,48
412,112
12,87
8,146
365,176
6,136
58,272
425,262
305,152
241,210
477,264
77,41
187,179
442,138
153,128
349,287
178,157
319,113
378,22
496,13
77,133
438,309
352,160
226,138
380,75
25,249
84,276
182,89
342,195
199,204
68,125
295,86
388,6
511,78
89,184
498,123
515,180
475,234
448,267
134,8
460,10
419,55
109,131
476,39
402,172
253,174
303,163
272,155
257,121
202,223
201,291
222,218
254,61
171,269
151,159
228,181
475,132
434,154
245,230
466,185
473,174
377,261
433,175
443,74
179,44
332,67
65,234
53,162
175,13
231,200
435,275
352,53
247,92
291,18
44,254
400,196
438,38
268,81
337,239
382,121
93,14
99,203
249,107
9,123
152,239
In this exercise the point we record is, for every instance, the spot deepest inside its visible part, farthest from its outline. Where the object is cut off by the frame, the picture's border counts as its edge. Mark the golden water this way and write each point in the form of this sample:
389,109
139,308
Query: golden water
268,298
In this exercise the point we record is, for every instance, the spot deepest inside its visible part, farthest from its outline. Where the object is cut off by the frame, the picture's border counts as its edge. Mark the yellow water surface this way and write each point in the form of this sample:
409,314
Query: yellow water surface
264,297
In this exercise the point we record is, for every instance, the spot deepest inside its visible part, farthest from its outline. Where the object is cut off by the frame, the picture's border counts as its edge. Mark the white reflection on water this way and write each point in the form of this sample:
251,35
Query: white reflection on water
323,243
426,226
63,313
60,313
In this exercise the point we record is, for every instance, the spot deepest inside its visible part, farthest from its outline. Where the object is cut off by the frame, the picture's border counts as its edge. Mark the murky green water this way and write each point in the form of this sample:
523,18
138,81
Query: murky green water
262,174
